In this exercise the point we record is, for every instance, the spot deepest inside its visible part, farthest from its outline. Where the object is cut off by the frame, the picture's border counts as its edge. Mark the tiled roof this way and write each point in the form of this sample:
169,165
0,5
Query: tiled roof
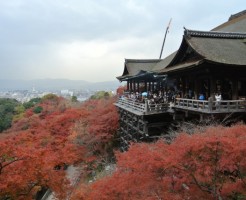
181,66
164,63
235,16
220,47
236,23
215,34
134,66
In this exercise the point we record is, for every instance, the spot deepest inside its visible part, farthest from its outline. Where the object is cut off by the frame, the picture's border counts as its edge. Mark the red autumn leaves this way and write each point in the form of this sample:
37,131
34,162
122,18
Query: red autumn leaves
209,165
35,150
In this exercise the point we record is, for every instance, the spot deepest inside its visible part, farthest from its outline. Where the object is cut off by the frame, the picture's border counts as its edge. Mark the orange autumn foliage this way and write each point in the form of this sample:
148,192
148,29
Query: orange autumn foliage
34,148
98,128
209,165
42,143
120,90
28,163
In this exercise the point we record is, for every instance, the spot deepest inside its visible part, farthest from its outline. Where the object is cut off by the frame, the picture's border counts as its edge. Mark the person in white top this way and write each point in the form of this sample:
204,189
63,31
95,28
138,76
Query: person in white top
217,99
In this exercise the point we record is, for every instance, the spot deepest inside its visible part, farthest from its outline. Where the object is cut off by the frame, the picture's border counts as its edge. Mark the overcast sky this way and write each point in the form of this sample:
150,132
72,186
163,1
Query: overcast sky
89,39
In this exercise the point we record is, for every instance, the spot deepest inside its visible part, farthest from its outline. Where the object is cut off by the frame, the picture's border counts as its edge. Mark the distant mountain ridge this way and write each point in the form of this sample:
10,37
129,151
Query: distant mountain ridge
56,84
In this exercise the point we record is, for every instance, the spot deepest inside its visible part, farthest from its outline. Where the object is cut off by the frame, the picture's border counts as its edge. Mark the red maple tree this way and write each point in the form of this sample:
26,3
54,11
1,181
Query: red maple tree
99,127
37,147
28,162
209,165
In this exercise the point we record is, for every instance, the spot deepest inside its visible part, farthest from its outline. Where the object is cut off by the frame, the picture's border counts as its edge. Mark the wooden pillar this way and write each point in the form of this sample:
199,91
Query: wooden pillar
145,86
201,117
128,85
138,86
146,131
234,89
196,92
138,125
134,86
212,87
182,87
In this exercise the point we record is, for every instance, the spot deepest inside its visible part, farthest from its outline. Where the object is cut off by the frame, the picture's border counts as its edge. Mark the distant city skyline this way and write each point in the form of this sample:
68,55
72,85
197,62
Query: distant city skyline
89,40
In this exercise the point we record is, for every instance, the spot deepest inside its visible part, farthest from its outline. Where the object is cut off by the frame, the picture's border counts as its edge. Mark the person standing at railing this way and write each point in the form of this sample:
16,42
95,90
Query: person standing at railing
201,97
190,94
218,98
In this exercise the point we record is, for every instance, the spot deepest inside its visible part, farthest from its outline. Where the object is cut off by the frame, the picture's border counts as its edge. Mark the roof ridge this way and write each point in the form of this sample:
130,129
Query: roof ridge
214,34
142,60
239,14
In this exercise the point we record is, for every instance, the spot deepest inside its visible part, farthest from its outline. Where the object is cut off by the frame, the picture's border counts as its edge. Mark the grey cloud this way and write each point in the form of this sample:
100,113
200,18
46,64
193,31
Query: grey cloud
31,28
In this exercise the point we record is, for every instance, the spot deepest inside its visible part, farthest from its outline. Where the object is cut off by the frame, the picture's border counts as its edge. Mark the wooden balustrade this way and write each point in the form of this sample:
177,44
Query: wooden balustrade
142,108
223,106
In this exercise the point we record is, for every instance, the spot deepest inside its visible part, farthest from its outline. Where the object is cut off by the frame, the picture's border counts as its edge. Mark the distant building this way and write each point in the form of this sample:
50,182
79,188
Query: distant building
64,92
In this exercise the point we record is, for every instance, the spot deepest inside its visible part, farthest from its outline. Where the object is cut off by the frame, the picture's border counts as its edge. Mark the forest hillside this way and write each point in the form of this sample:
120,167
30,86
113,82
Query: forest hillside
49,134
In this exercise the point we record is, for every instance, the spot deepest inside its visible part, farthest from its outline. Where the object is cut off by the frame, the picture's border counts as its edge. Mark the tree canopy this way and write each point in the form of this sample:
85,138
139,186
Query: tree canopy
7,111
209,165
48,136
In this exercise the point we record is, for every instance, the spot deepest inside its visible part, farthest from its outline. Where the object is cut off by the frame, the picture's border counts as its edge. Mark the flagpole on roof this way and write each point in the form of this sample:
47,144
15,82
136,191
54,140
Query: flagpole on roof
165,37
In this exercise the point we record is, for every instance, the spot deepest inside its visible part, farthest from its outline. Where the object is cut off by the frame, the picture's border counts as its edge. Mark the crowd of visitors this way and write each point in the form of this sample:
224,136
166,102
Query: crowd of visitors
162,96
156,99
152,97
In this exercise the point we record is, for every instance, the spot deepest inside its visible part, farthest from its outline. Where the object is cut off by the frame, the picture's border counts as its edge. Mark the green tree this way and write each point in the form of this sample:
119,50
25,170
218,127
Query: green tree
7,111
74,99
101,95
32,102
19,112
38,109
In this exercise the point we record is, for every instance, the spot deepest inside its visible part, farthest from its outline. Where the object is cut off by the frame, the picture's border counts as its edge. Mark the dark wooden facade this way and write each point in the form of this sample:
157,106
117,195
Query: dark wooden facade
208,63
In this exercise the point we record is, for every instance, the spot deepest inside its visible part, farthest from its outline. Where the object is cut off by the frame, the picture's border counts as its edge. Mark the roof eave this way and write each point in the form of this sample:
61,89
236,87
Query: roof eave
180,68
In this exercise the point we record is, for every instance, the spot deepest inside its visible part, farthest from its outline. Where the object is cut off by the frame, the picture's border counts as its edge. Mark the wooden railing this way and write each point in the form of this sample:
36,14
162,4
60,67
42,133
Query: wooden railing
142,108
223,106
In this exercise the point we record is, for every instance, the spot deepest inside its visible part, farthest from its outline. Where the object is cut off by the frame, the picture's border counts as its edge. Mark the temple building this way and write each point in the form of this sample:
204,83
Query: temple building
205,77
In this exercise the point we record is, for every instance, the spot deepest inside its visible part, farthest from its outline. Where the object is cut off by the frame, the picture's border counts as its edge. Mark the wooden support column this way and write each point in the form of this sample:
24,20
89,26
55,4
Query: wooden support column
127,124
201,117
196,92
212,87
130,85
134,86
146,131
234,89
138,125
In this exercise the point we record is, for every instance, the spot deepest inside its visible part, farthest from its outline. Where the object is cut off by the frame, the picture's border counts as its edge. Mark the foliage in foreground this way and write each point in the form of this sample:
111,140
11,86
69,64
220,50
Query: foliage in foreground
38,145
208,165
